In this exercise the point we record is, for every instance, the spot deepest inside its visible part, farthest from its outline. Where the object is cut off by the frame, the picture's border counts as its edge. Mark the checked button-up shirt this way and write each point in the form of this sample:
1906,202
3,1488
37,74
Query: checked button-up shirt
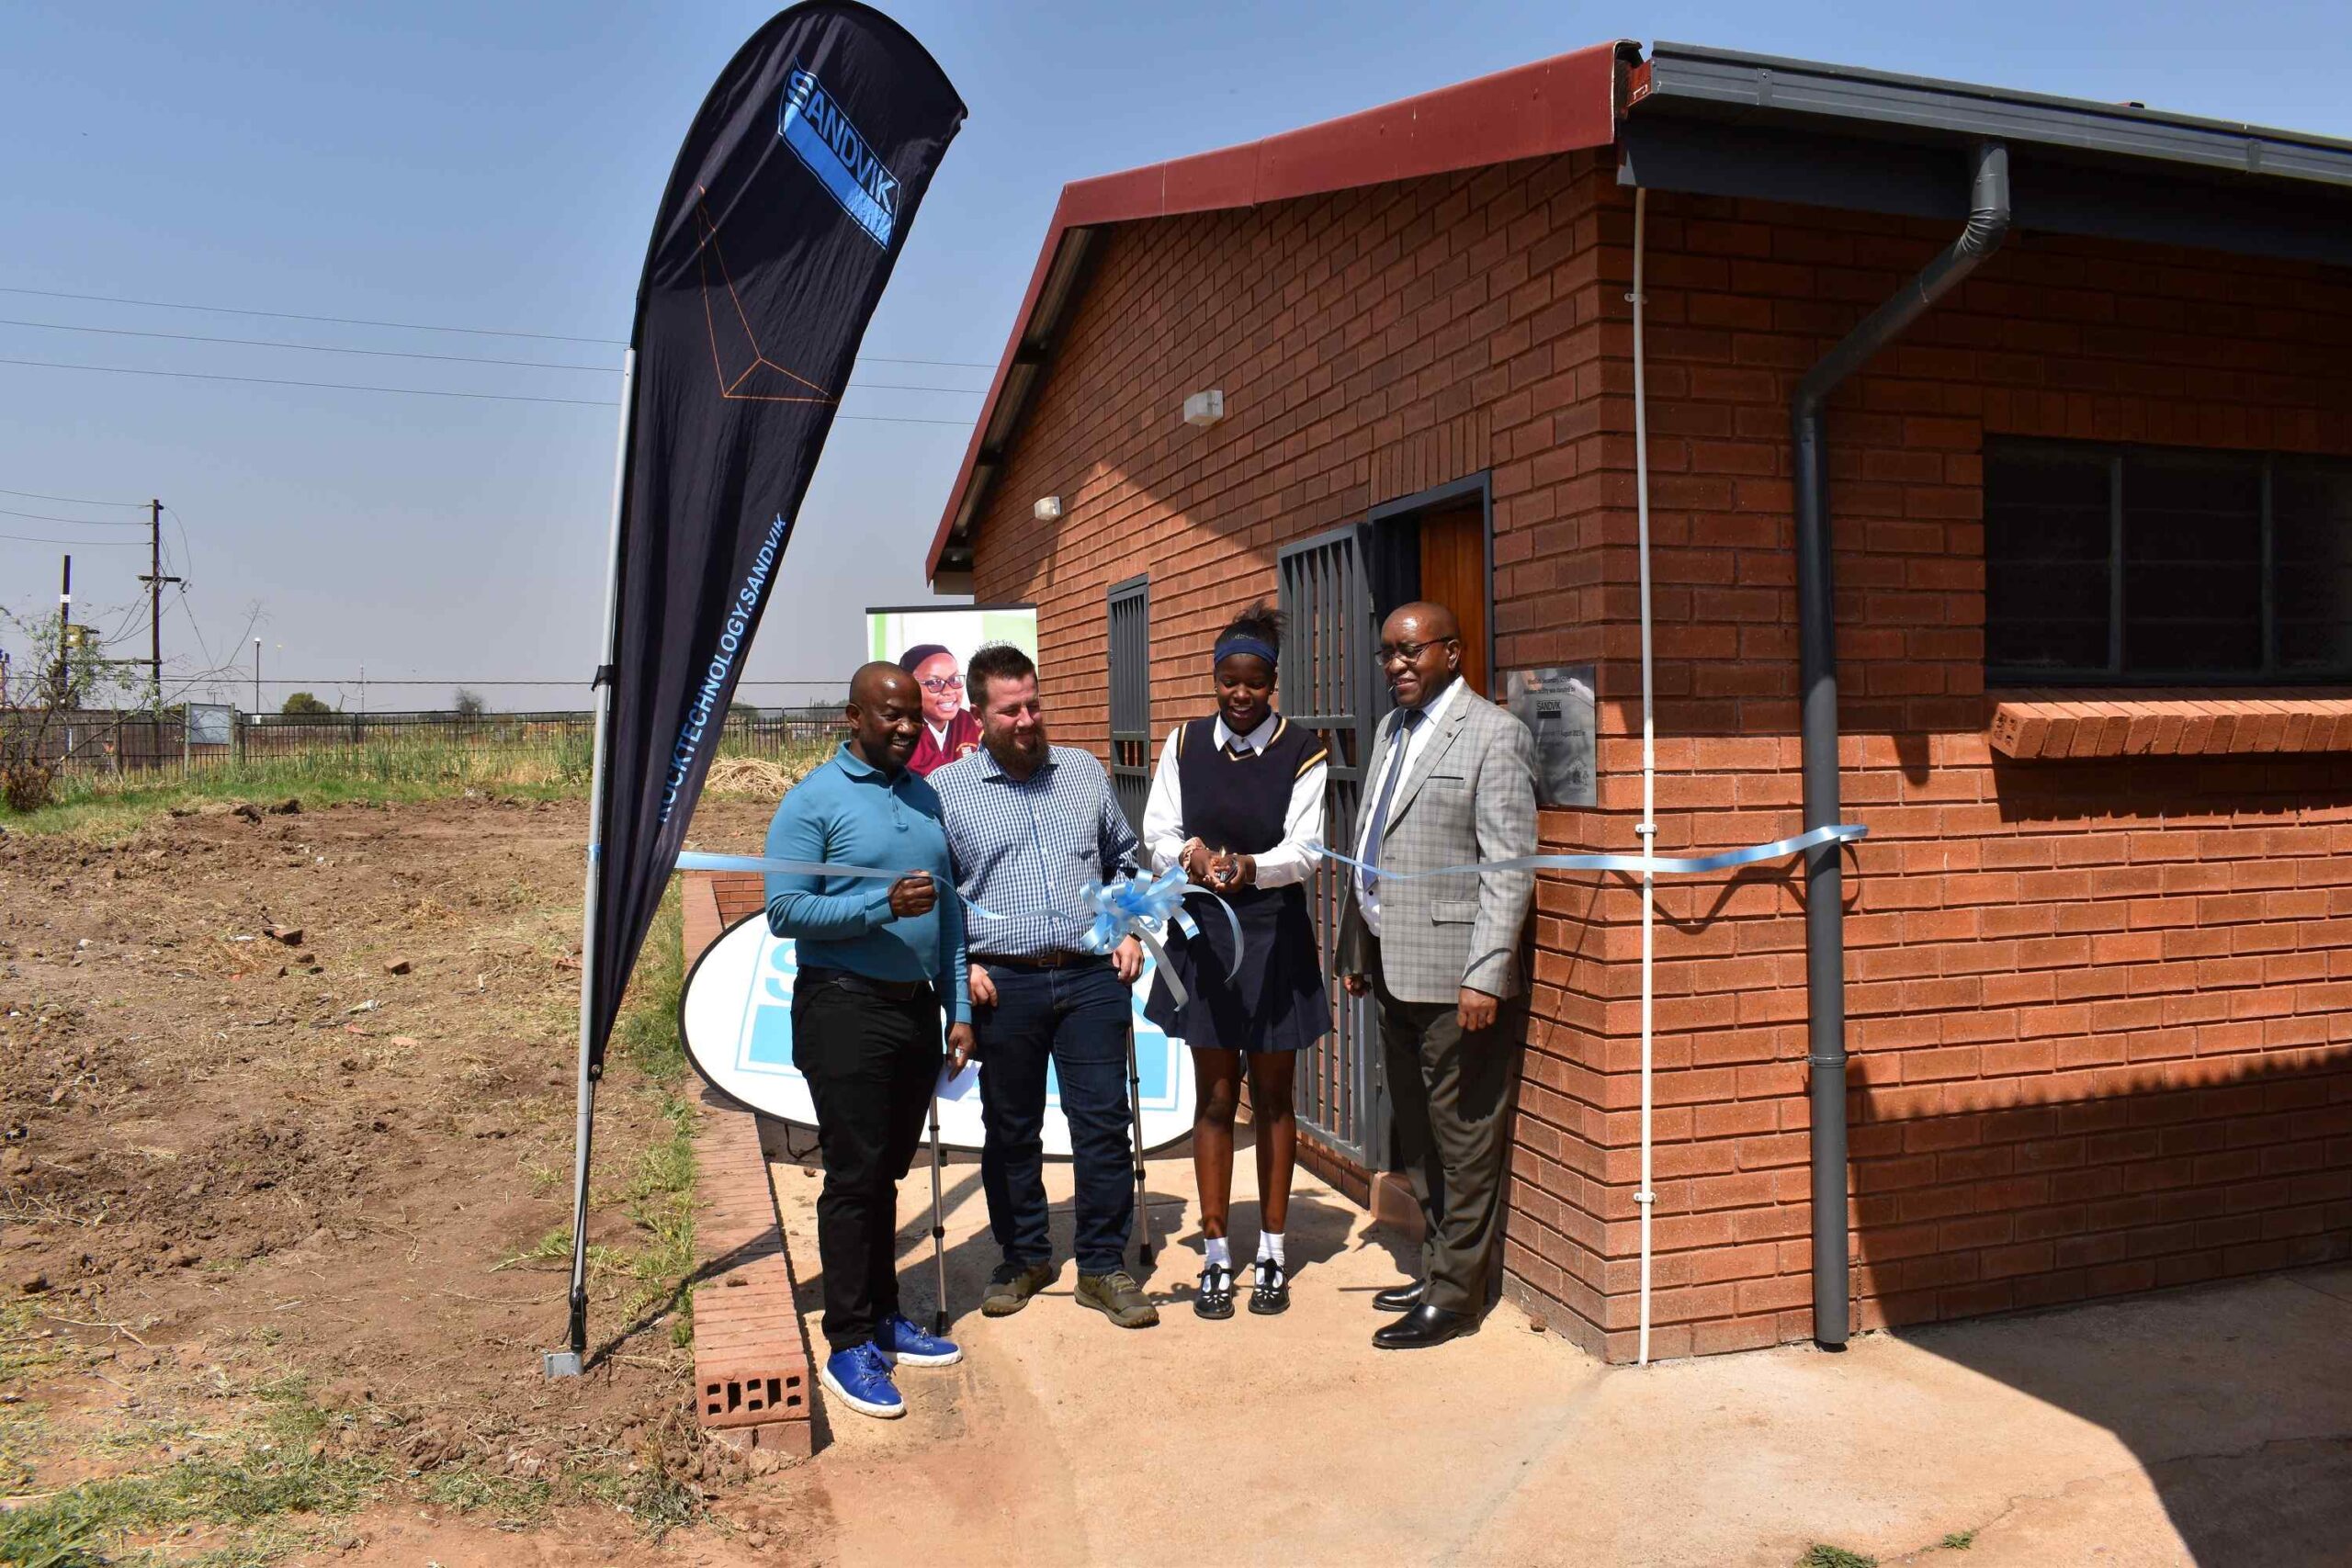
1025,849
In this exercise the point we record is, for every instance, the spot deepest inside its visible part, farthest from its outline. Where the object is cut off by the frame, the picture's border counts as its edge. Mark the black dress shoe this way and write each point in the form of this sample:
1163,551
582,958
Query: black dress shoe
1424,1326
1400,1298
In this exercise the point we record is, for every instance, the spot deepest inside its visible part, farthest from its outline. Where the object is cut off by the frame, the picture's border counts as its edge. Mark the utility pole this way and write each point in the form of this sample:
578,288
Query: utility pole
154,579
256,677
65,627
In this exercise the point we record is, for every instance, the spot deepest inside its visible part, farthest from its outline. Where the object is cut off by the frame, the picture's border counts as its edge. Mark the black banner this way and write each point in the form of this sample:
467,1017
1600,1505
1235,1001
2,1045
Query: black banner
787,209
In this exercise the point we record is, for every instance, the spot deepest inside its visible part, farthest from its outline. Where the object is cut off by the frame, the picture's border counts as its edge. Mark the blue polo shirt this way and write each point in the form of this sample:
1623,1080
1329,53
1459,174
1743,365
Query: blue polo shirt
847,811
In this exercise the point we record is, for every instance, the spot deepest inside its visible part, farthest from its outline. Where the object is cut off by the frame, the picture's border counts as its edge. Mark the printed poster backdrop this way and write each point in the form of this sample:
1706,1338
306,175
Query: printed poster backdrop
736,1014
933,646
736,1019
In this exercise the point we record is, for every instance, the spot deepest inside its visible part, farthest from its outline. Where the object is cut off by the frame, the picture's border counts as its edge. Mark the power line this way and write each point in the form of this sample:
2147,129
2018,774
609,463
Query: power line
309,347
79,544
77,522
290,316
69,499
438,359
411,326
410,391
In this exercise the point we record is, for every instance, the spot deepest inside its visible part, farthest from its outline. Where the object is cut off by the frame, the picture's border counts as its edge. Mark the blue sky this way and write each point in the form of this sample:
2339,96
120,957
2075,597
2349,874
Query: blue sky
497,166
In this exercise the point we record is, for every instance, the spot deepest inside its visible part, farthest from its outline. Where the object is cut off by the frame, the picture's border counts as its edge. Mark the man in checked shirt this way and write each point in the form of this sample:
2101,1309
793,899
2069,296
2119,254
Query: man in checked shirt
1029,825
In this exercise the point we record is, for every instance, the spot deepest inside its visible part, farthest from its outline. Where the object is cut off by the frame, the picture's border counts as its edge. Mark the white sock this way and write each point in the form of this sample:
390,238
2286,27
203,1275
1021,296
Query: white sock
1270,1245
1220,1251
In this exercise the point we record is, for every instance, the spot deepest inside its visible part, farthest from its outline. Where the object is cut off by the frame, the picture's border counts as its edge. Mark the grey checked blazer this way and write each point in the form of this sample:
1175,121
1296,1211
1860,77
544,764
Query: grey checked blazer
1470,797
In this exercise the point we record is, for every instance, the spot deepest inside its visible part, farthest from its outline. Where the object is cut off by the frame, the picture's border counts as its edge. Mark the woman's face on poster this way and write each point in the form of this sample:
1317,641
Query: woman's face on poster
943,687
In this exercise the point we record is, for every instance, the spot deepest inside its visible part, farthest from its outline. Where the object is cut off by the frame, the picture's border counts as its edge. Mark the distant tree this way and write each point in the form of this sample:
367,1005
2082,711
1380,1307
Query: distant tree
304,703
468,704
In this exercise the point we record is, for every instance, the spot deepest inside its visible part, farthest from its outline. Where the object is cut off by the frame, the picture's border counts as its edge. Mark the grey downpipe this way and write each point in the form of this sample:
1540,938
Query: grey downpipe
1824,909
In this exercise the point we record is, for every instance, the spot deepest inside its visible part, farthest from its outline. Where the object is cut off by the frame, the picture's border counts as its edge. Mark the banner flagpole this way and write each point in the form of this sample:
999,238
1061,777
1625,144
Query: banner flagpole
567,1362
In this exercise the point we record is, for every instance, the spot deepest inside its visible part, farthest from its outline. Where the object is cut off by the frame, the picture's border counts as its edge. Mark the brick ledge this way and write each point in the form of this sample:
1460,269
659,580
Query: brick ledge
2052,725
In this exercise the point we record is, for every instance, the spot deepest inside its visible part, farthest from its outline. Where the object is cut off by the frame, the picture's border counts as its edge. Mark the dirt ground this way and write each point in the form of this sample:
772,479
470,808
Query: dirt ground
252,1180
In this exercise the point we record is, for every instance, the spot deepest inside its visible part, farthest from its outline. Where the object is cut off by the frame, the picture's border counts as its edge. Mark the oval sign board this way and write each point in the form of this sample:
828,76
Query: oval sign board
736,1020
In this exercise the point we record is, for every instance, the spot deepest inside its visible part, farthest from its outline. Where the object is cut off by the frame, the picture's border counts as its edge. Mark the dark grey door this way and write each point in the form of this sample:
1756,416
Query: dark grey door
1328,686
1130,608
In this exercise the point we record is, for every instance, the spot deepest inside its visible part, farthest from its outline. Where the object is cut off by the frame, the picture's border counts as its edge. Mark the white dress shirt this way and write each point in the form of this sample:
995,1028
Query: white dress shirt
1432,715
1291,861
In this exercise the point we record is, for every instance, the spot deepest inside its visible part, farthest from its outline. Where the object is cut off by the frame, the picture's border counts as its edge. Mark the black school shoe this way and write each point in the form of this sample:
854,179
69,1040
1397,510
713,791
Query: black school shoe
1215,1298
1272,1293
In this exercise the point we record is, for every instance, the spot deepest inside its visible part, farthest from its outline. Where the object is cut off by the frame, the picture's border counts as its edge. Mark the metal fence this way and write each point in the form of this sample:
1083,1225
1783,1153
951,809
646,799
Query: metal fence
79,744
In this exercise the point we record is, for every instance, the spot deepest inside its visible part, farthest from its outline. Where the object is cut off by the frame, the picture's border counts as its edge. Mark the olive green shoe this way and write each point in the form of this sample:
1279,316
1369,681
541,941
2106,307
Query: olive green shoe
1012,1285
1117,1297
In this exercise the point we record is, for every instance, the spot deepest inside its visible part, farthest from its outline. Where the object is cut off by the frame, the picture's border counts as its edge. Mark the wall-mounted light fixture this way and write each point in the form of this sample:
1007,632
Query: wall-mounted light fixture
1047,509
1204,408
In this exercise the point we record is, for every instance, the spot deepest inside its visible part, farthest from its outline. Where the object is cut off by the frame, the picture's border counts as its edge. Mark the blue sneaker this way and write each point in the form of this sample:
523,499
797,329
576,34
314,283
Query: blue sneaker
904,1344
860,1379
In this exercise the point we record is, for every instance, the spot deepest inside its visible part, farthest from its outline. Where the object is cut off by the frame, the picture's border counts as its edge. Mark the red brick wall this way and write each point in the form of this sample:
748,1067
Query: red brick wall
2099,1010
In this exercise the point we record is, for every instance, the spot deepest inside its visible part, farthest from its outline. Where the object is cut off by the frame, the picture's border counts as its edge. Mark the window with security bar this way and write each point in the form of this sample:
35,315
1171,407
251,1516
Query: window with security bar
2110,565
1130,617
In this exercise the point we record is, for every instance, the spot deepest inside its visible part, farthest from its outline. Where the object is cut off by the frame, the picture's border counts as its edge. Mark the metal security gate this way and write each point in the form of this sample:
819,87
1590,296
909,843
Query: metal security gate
1327,686
1130,613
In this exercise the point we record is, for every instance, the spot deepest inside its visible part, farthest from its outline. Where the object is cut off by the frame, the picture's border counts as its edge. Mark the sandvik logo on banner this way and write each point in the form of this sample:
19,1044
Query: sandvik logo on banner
736,1020
818,130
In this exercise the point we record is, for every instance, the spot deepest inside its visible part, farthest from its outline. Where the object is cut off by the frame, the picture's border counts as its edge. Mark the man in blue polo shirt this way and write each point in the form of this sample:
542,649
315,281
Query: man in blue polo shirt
878,964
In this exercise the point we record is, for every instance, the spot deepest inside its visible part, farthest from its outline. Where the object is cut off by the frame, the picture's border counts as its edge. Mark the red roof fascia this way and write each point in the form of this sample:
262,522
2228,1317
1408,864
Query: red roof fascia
1553,106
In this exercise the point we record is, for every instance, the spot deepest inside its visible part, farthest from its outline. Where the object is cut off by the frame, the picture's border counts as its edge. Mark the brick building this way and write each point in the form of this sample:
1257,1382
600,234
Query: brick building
2091,681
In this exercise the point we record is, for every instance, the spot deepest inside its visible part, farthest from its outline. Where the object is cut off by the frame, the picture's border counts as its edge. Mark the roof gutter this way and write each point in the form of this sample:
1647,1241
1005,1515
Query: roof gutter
1825,912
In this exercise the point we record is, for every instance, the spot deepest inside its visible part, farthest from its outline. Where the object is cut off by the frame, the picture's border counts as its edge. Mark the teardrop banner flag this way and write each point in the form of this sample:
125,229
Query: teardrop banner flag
787,208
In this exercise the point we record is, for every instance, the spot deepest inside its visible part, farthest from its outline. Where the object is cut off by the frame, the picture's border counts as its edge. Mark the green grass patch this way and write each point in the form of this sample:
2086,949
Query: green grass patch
1820,1556
646,1034
276,1470
105,808
658,1501
1958,1541
511,1500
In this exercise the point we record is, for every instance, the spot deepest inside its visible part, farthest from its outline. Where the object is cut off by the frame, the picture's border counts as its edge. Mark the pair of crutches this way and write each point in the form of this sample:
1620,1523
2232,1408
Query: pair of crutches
938,1213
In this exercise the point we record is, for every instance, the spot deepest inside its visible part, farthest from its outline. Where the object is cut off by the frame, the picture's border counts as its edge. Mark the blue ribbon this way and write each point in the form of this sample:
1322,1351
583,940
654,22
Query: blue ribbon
1142,907
1664,865
695,860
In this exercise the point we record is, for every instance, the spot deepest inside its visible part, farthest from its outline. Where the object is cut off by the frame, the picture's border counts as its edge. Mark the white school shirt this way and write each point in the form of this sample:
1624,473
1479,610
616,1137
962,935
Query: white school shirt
1433,713
1291,861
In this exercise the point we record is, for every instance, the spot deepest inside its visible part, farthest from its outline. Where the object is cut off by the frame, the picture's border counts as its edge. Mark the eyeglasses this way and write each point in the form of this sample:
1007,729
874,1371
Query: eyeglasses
1390,652
938,683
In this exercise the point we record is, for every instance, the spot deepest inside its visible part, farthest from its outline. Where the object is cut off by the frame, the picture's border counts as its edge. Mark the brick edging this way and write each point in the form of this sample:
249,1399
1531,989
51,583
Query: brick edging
752,1386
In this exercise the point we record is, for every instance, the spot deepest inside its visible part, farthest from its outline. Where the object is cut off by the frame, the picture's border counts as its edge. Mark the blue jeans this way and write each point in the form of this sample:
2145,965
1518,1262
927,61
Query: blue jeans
1077,1018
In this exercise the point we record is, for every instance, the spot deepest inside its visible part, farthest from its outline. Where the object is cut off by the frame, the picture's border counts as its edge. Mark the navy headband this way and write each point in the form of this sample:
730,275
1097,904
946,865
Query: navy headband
1245,643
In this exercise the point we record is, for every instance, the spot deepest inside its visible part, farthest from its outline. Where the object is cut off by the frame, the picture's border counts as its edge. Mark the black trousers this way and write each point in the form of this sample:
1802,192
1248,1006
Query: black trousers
872,1062
1451,1088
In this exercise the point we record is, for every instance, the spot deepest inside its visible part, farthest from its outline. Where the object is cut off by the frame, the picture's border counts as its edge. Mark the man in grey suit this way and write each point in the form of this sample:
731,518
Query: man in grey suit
1452,781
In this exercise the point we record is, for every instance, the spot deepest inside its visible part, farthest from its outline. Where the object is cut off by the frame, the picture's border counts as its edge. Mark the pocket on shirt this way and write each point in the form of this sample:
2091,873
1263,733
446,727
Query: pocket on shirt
1454,911
1449,783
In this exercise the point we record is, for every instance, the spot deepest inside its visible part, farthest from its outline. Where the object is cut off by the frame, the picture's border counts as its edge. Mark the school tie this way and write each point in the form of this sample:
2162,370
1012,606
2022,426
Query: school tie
1408,721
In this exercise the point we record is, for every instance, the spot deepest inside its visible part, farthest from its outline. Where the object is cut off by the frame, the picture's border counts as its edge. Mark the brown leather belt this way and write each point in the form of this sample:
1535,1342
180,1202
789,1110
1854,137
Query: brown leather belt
1064,959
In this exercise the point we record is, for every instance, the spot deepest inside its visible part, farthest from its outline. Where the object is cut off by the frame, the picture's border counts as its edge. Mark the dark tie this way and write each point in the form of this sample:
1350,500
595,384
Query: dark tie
1399,742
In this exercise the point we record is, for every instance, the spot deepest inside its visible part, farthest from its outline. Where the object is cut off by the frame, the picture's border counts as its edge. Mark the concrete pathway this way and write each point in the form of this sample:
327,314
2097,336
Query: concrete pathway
2211,1426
